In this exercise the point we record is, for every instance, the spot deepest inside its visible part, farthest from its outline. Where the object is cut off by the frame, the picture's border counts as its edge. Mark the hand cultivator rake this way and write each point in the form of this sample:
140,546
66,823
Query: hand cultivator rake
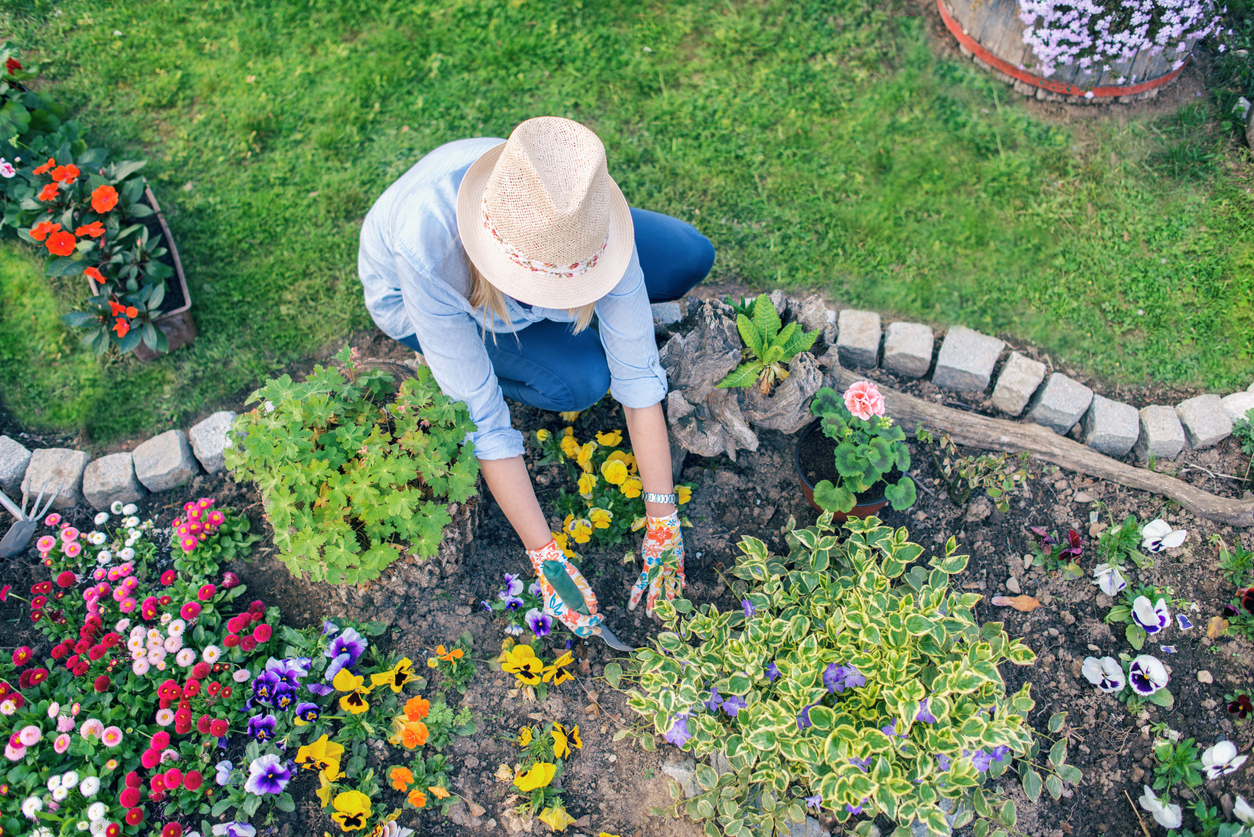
19,533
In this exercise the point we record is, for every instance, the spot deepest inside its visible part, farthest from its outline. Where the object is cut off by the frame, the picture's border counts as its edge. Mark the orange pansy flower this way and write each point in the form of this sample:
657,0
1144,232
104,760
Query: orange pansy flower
121,327
46,166
49,192
455,654
402,778
417,708
95,229
42,229
61,243
417,798
104,199
93,274
414,734
438,792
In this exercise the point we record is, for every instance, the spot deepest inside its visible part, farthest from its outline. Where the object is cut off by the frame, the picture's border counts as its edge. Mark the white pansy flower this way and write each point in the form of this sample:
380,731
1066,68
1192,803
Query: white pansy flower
1109,578
1158,535
1221,759
1243,811
1152,617
1147,675
1106,673
1165,813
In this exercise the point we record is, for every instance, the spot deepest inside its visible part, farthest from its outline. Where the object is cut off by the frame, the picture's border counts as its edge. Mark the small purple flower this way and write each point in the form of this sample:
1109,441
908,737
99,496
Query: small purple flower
838,678
999,753
861,764
284,696
329,627
539,622
944,761
307,712
678,733
320,689
980,759
348,642
891,730
510,593
815,802
803,719
267,774
733,705
1167,649
715,701
749,609
1075,546
925,715
535,589
772,672
487,607
855,809
261,727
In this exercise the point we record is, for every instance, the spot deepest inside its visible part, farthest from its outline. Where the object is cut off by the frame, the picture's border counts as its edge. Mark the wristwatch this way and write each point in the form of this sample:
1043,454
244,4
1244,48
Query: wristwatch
671,498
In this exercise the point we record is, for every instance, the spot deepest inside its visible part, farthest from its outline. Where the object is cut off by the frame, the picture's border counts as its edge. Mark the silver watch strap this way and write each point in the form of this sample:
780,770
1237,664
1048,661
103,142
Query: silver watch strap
671,498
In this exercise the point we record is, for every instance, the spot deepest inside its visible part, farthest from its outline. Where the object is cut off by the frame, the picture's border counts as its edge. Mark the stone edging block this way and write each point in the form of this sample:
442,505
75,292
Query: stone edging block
14,459
1110,427
1235,405
1161,436
112,479
1060,403
858,338
208,440
1205,421
53,467
166,461
908,349
1017,382
966,360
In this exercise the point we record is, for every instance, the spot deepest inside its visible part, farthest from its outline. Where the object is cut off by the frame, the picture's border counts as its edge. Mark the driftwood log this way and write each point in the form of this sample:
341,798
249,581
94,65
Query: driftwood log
999,434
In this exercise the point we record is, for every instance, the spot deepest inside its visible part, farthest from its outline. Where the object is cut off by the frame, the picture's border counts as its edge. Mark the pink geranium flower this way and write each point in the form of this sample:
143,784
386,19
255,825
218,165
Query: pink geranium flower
864,400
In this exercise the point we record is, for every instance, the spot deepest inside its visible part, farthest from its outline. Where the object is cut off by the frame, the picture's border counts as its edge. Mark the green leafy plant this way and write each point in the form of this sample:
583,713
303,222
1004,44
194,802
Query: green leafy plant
352,470
1237,565
845,683
867,449
1243,432
1178,764
769,345
1115,543
997,474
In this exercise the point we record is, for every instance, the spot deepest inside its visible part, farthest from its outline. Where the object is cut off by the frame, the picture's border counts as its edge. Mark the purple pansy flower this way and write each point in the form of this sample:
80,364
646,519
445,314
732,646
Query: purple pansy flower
261,727
234,829
1147,675
510,593
223,772
320,689
1183,622
487,607
308,712
267,774
1151,616
329,627
344,652
539,622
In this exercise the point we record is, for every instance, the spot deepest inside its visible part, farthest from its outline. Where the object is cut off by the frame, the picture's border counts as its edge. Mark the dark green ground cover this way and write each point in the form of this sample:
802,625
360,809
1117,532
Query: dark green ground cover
820,145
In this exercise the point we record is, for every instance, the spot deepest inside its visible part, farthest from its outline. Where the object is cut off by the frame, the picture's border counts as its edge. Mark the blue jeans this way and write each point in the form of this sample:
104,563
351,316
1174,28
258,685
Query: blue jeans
550,368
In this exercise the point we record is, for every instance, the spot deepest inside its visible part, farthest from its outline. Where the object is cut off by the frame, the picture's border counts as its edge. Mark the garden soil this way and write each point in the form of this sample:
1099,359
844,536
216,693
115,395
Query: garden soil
612,786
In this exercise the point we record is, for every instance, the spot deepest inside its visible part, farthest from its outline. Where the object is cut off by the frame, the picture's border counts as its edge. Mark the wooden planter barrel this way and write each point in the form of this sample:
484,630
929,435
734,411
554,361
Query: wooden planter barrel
991,33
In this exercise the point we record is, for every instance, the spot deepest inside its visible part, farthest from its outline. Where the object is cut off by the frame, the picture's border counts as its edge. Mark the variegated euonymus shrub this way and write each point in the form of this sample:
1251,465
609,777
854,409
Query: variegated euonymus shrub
844,683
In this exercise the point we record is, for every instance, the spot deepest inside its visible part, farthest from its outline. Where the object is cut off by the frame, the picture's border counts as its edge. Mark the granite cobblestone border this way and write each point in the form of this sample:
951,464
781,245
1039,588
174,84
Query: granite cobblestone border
967,362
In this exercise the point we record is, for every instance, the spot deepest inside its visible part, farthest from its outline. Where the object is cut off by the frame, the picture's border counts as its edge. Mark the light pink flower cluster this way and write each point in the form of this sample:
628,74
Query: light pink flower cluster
864,400
201,522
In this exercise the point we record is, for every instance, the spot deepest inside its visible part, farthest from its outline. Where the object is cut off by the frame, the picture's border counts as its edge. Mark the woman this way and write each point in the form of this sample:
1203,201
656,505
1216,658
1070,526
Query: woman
491,258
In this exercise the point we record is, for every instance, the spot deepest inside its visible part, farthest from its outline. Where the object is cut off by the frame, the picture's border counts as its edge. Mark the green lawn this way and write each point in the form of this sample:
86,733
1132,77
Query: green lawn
820,145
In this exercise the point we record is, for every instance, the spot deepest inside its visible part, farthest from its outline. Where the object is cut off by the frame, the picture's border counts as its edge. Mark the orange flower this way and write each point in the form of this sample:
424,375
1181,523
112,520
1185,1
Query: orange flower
402,778
95,229
414,734
455,654
117,308
438,792
417,708
61,243
121,327
41,230
49,192
132,311
46,166
104,199
94,275
417,798
65,175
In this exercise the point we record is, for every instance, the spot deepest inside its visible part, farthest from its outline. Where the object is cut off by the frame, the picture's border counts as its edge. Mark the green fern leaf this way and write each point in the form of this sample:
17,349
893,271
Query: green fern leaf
766,318
743,375
750,335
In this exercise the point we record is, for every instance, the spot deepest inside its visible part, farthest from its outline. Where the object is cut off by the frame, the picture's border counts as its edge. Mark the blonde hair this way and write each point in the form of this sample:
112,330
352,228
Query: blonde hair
488,297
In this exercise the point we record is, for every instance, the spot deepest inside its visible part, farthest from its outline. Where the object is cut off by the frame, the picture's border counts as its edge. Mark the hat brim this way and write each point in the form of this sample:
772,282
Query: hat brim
531,286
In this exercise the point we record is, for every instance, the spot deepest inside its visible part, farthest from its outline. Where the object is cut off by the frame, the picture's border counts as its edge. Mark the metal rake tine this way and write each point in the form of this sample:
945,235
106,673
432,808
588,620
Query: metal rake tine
42,488
50,501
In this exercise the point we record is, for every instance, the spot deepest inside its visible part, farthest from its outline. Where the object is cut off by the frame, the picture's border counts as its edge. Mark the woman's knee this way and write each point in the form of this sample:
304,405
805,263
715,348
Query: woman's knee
588,387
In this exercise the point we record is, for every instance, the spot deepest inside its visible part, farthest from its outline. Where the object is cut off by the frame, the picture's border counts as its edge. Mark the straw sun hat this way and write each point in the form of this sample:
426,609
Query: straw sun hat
541,218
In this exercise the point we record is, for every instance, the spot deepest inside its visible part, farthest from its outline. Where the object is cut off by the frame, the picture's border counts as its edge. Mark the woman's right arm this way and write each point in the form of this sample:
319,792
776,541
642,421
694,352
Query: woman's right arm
511,487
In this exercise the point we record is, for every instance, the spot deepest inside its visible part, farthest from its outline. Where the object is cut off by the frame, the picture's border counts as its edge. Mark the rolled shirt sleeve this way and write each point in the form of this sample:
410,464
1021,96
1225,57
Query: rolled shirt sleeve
625,323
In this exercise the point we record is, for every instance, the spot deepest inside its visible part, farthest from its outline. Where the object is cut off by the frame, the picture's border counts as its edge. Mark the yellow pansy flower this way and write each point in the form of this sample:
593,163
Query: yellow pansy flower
624,457
324,790
570,416
563,544
352,810
581,530
612,439
322,755
556,817
522,662
587,482
683,493
395,679
572,735
631,488
524,737
614,471
636,525
543,435
354,701
584,457
600,518
539,776
560,748
570,447
557,673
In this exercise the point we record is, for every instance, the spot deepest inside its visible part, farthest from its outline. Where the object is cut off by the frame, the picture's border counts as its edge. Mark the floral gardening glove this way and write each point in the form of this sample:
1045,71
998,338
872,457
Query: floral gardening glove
663,547
566,593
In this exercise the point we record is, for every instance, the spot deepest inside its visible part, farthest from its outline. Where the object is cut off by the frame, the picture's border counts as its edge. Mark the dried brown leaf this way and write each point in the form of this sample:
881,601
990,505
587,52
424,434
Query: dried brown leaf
1027,604
1216,627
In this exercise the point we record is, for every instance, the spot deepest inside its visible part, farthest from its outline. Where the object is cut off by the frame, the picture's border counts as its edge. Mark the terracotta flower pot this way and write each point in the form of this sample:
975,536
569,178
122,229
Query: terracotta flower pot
176,322
866,504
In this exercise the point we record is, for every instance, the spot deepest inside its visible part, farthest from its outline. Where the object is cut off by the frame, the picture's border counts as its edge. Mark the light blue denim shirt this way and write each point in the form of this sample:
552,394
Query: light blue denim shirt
416,278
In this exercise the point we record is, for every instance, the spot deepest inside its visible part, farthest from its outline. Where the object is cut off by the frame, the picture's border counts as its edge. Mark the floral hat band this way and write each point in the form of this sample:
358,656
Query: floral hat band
578,268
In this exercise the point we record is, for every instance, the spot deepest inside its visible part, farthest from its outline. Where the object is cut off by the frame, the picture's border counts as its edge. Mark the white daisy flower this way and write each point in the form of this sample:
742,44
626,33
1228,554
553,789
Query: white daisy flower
101,519
126,554
96,538
186,657
97,811
69,779
31,807
130,508
176,627
89,786
116,508
211,653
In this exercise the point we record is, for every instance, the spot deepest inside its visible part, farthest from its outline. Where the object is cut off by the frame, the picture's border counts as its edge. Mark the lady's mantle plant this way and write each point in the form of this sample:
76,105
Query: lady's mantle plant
869,447
842,683
353,472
